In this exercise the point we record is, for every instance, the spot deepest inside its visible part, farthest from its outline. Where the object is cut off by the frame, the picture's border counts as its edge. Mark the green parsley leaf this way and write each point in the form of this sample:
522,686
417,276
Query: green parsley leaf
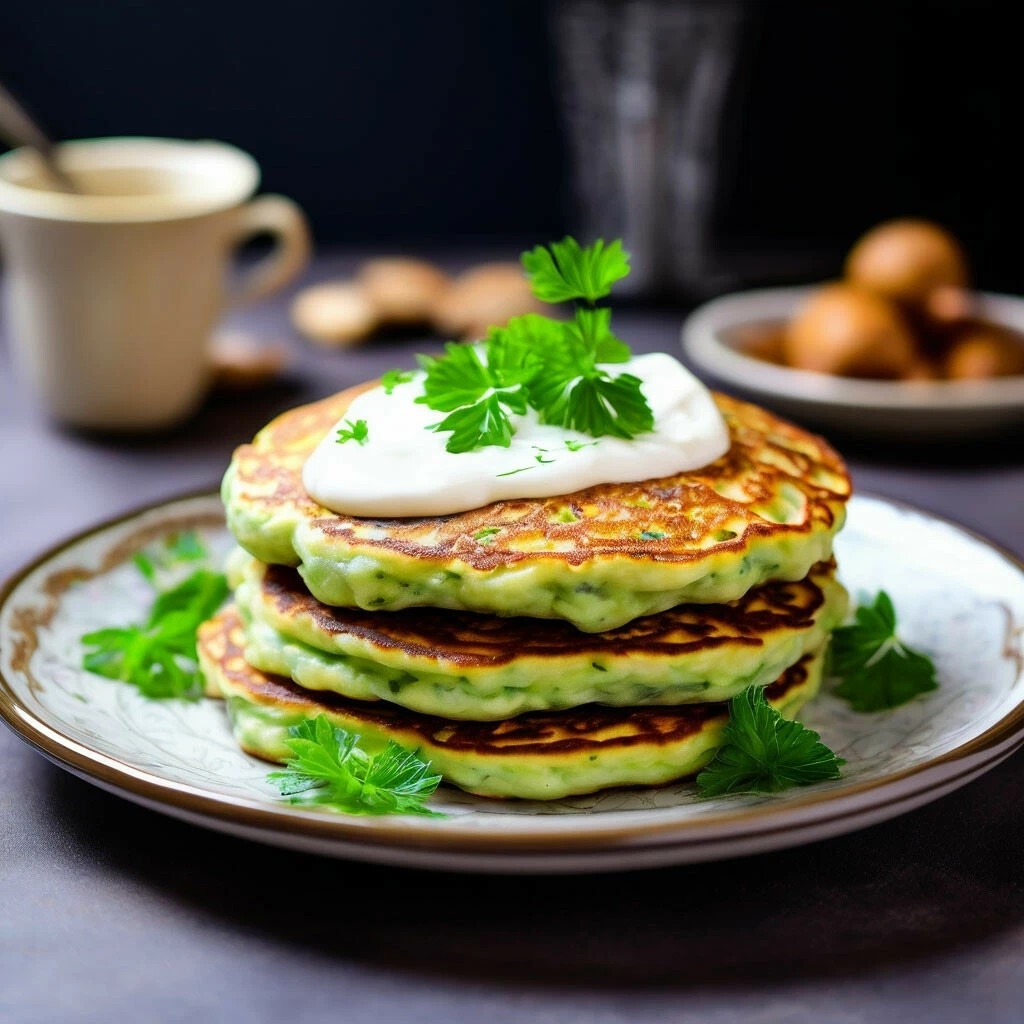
479,425
573,391
764,752
591,330
357,432
456,379
576,446
479,396
159,657
593,402
145,565
186,547
392,378
530,335
878,671
565,270
329,769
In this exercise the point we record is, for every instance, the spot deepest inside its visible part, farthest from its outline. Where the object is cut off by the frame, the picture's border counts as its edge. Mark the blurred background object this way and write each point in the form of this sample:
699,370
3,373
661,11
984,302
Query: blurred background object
644,85
402,127
112,291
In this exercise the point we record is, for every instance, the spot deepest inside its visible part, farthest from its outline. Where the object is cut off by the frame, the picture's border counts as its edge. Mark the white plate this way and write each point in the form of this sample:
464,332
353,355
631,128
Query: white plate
902,409
958,598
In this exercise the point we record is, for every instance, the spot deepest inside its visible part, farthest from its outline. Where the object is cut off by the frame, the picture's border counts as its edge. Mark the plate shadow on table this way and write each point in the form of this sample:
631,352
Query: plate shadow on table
933,881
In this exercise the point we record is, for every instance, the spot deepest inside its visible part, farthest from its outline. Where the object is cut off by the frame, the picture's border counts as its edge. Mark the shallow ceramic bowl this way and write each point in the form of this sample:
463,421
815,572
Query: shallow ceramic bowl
713,336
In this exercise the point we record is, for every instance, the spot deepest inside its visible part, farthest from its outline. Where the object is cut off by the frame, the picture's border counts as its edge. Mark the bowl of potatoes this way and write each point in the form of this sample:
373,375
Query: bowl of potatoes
901,345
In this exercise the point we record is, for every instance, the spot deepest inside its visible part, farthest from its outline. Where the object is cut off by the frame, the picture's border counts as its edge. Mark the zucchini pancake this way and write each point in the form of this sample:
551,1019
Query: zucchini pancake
466,666
539,756
766,510
532,648
536,567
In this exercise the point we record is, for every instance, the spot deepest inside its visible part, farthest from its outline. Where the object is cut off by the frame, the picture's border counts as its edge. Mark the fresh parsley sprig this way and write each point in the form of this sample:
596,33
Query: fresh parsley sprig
764,752
878,671
159,656
358,432
328,769
553,366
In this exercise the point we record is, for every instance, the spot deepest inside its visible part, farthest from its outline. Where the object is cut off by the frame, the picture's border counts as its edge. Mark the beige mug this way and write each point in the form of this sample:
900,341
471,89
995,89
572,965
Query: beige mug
112,294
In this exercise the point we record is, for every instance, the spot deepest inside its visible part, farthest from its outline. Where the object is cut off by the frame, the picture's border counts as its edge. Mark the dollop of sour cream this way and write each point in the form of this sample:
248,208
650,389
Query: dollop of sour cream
402,468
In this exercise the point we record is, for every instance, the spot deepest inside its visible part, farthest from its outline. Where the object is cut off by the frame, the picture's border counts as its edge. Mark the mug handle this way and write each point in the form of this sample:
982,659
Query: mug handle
280,217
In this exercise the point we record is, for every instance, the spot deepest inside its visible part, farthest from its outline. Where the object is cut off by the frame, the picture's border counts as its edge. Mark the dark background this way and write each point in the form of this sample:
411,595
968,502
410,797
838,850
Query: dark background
411,123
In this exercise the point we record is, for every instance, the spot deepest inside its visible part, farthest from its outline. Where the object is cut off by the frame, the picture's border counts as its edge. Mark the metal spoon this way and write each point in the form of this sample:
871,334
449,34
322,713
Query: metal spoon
18,128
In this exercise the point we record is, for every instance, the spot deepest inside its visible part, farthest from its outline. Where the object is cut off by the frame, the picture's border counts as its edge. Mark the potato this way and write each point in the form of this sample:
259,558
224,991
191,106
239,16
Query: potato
402,290
948,305
906,261
848,330
762,341
981,350
922,368
490,294
334,314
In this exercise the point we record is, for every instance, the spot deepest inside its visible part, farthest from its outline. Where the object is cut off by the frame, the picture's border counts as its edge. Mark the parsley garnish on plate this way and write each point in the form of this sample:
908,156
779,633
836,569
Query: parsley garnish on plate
357,432
328,769
878,671
185,546
764,752
159,656
553,366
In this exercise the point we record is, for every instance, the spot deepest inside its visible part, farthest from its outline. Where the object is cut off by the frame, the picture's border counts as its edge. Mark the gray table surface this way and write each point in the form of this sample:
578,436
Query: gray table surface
112,913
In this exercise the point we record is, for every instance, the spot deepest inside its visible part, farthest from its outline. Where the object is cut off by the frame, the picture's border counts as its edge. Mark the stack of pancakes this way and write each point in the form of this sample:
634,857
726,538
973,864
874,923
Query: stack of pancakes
532,648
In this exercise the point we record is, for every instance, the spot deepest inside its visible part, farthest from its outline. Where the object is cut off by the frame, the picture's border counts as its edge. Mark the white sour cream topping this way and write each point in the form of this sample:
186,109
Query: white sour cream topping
403,469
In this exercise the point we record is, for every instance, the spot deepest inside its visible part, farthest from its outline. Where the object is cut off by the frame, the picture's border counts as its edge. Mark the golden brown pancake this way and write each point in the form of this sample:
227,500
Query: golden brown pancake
468,666
542,755
599,558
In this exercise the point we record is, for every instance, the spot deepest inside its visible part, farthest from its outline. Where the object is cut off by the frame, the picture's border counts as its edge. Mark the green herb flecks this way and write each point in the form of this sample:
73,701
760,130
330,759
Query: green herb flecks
393,378
328,769
357,432
487,534
764,752
878,671
159,656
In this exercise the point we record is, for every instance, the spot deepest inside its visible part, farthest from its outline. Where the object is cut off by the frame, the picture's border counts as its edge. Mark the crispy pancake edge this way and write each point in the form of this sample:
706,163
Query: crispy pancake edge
768,457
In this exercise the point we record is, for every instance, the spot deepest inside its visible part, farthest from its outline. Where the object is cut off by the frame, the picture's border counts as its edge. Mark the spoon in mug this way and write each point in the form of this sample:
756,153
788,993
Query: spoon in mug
18,128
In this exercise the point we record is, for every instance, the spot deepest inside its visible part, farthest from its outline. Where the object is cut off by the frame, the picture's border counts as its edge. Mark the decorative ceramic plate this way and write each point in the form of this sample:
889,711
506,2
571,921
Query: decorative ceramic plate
958,598
713,340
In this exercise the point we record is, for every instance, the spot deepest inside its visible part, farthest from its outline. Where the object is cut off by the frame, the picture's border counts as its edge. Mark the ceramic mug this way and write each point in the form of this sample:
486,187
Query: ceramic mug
112,294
